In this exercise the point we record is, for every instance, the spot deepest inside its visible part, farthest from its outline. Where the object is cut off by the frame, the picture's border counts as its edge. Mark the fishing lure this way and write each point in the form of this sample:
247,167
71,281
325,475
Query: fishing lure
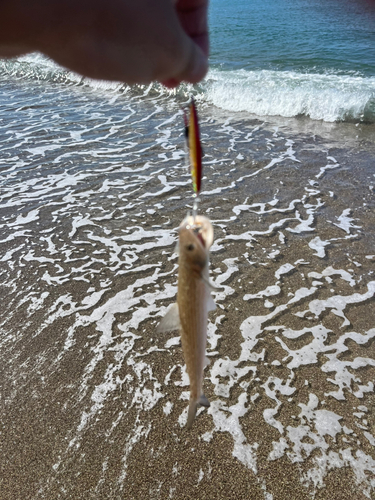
194,145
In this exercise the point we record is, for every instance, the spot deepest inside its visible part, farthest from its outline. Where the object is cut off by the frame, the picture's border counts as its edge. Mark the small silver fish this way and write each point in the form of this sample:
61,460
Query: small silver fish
194,301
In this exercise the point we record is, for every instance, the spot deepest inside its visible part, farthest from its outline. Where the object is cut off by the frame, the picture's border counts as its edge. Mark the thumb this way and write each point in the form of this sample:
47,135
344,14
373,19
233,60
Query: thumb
196,66
195,69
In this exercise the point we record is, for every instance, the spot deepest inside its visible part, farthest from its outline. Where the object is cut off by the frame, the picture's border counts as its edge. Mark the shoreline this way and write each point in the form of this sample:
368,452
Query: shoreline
93,401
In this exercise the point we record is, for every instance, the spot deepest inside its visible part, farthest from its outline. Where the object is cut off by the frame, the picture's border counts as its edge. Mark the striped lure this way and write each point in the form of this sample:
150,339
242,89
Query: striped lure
194,144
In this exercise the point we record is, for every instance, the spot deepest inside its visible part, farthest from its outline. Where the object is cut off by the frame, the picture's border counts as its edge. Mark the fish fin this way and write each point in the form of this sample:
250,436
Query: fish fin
171,320
206,361
177,248
203,401
209,285
211,306
193,405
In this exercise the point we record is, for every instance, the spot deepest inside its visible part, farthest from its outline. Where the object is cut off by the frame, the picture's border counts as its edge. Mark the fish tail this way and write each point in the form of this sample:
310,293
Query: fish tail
203,401
193,406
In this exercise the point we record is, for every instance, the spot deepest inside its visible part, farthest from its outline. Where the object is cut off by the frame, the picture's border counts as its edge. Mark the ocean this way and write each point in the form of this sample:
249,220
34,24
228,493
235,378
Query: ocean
93,185
292,58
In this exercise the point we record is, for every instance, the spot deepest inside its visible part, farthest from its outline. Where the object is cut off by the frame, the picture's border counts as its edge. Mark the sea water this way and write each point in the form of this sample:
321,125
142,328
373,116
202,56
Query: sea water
94,184
294,58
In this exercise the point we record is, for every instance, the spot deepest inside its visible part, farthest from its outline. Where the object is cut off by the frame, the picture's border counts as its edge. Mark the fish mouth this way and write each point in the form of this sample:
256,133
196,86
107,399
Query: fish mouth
201,228
198,234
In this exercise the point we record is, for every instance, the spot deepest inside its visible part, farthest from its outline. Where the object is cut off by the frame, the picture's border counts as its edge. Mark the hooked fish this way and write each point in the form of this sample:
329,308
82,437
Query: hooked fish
194,301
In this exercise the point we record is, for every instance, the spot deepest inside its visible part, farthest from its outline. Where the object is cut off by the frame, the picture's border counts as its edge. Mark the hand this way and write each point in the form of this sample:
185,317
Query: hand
134,41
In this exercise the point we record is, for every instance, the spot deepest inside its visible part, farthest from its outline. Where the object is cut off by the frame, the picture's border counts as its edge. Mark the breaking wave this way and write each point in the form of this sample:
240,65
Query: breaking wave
326,97
320,96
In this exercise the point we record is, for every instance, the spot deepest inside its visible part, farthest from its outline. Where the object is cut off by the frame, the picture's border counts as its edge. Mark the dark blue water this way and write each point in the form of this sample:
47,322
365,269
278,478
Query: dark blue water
314,58
300,35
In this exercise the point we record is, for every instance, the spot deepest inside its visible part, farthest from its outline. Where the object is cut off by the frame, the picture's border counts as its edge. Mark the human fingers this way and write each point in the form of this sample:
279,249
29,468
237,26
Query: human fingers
193,18
157,47
135,41
194,71
192,15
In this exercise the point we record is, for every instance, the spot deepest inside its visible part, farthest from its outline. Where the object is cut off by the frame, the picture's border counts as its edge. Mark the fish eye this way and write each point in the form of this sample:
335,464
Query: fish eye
190,247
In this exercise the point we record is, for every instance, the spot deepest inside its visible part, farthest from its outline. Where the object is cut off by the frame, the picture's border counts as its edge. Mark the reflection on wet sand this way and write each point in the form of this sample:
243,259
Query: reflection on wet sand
90,391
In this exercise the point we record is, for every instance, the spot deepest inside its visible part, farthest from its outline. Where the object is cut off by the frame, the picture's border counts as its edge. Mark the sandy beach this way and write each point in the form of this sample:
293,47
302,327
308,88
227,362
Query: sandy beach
93,401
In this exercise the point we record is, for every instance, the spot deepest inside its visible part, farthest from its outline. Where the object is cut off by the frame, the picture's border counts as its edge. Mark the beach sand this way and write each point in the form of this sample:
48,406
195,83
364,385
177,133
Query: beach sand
93,401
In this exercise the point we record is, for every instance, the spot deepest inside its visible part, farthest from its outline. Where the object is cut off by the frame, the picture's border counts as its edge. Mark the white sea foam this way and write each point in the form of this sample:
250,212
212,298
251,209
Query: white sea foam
96,237
329,97
345,222
325,97
318,245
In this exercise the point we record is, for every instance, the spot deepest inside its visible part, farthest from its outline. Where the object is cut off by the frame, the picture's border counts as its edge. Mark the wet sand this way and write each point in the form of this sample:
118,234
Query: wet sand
93,402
